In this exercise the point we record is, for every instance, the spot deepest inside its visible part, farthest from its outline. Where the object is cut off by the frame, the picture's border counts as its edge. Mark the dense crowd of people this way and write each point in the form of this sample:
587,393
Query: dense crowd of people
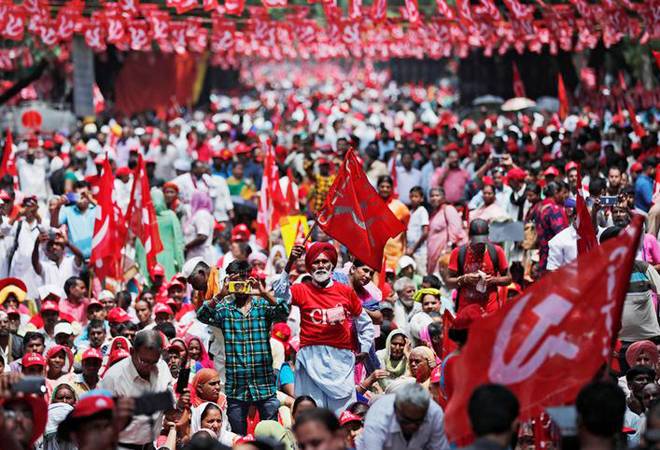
304,346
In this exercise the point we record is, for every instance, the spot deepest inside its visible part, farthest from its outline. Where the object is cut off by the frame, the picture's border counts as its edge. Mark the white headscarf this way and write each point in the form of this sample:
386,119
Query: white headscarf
225,436
57,412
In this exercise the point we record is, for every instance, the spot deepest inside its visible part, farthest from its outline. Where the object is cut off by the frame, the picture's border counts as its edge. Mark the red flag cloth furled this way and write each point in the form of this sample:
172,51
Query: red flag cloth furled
518,85
106,242
634,123
355,215
272,204
584,226
548,342
141,215
563,97
8,167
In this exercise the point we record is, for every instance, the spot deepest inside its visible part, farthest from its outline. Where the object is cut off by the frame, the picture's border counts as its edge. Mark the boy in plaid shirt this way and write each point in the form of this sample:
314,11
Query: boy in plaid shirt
246,319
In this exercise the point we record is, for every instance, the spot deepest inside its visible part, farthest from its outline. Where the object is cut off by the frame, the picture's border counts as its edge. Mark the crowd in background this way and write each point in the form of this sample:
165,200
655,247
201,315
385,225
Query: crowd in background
319,350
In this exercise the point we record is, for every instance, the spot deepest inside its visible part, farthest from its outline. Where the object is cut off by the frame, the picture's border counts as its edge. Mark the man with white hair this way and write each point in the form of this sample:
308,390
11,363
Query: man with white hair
326,360
405,307
407,419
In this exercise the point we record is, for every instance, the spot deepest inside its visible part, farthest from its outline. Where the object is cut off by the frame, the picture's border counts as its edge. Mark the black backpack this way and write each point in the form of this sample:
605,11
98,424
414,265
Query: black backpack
492,253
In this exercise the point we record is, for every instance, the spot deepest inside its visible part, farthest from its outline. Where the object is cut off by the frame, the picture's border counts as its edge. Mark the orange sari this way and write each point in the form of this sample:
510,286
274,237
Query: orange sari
396,246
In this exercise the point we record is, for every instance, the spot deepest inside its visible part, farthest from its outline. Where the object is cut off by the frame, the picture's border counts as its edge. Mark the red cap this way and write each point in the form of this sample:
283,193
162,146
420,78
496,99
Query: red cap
551,171
240,233
323,160
121,171
161,308
49,305
547,157
347,416
242,148
48,144
516,174
118,315
39,408
33,359
117,356
92,404
92,353
175,282
570,166
158,270
94,302
636,167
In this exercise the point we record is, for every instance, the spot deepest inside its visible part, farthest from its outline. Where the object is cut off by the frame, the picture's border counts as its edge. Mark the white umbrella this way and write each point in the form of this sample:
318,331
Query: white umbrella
518,104
550,104
487,100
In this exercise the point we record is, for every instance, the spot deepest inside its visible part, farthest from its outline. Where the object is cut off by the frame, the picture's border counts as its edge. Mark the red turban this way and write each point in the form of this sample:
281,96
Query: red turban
640,347
316,249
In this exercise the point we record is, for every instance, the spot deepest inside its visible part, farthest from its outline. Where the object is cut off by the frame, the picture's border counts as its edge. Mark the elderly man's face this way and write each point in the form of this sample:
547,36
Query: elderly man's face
321,268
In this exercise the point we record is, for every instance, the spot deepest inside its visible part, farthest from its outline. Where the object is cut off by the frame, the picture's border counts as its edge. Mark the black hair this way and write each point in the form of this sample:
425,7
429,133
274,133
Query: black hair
432,281
151,339
555,186
417,190
321,416
609,233
639,370
32,336
358,263
167,328
601,407
435,329
81,184
299,400
534,187
123,299
458,336
210,407
237,266
96,323
492,409
358,408
596,186
385,179
649,162
71,282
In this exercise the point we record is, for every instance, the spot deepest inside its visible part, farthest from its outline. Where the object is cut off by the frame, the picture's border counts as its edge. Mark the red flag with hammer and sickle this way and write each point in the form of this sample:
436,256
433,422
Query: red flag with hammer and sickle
551,340
356,216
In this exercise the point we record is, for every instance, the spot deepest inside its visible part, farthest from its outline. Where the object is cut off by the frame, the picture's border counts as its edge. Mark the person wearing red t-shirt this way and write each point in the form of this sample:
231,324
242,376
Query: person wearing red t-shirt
325,362
478,268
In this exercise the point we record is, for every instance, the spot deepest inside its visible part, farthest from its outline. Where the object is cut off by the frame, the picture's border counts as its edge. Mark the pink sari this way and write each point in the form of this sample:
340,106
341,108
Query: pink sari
445,229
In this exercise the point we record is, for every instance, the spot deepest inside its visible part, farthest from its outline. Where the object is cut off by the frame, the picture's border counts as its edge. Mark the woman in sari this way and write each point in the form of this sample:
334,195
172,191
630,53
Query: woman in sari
395,247
198,354
198,229
490,211
445,229
59,362
205,387
171,197
171,235
393,357
209,417
421,362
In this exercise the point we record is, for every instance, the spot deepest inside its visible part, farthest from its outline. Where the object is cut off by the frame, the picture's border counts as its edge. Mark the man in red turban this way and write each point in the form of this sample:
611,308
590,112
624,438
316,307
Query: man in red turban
325,362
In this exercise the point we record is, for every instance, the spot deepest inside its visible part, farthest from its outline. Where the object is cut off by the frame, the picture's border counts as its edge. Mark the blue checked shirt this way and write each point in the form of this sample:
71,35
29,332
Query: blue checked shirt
249,364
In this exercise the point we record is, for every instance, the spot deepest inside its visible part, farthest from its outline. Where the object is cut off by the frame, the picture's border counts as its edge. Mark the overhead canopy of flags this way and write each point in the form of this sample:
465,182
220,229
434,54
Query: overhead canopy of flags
362,31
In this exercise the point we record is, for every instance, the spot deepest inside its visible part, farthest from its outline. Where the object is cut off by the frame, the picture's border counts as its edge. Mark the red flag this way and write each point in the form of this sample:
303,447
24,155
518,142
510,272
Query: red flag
355,215
563,97
634,123
141,216
106,243
291,198
583,224
656,56
518,85
548,342
272,204
8,166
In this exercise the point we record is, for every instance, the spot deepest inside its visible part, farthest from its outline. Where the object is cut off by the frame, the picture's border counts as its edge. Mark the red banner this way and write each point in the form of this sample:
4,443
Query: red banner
548,342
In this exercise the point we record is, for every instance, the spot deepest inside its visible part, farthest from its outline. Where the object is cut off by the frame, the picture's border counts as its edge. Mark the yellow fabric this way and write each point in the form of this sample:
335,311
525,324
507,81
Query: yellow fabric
11,289
422,292
289,227
202,65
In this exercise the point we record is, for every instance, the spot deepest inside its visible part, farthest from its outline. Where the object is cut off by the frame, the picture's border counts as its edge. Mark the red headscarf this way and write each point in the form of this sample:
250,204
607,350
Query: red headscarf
316,249
201,377
204,360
